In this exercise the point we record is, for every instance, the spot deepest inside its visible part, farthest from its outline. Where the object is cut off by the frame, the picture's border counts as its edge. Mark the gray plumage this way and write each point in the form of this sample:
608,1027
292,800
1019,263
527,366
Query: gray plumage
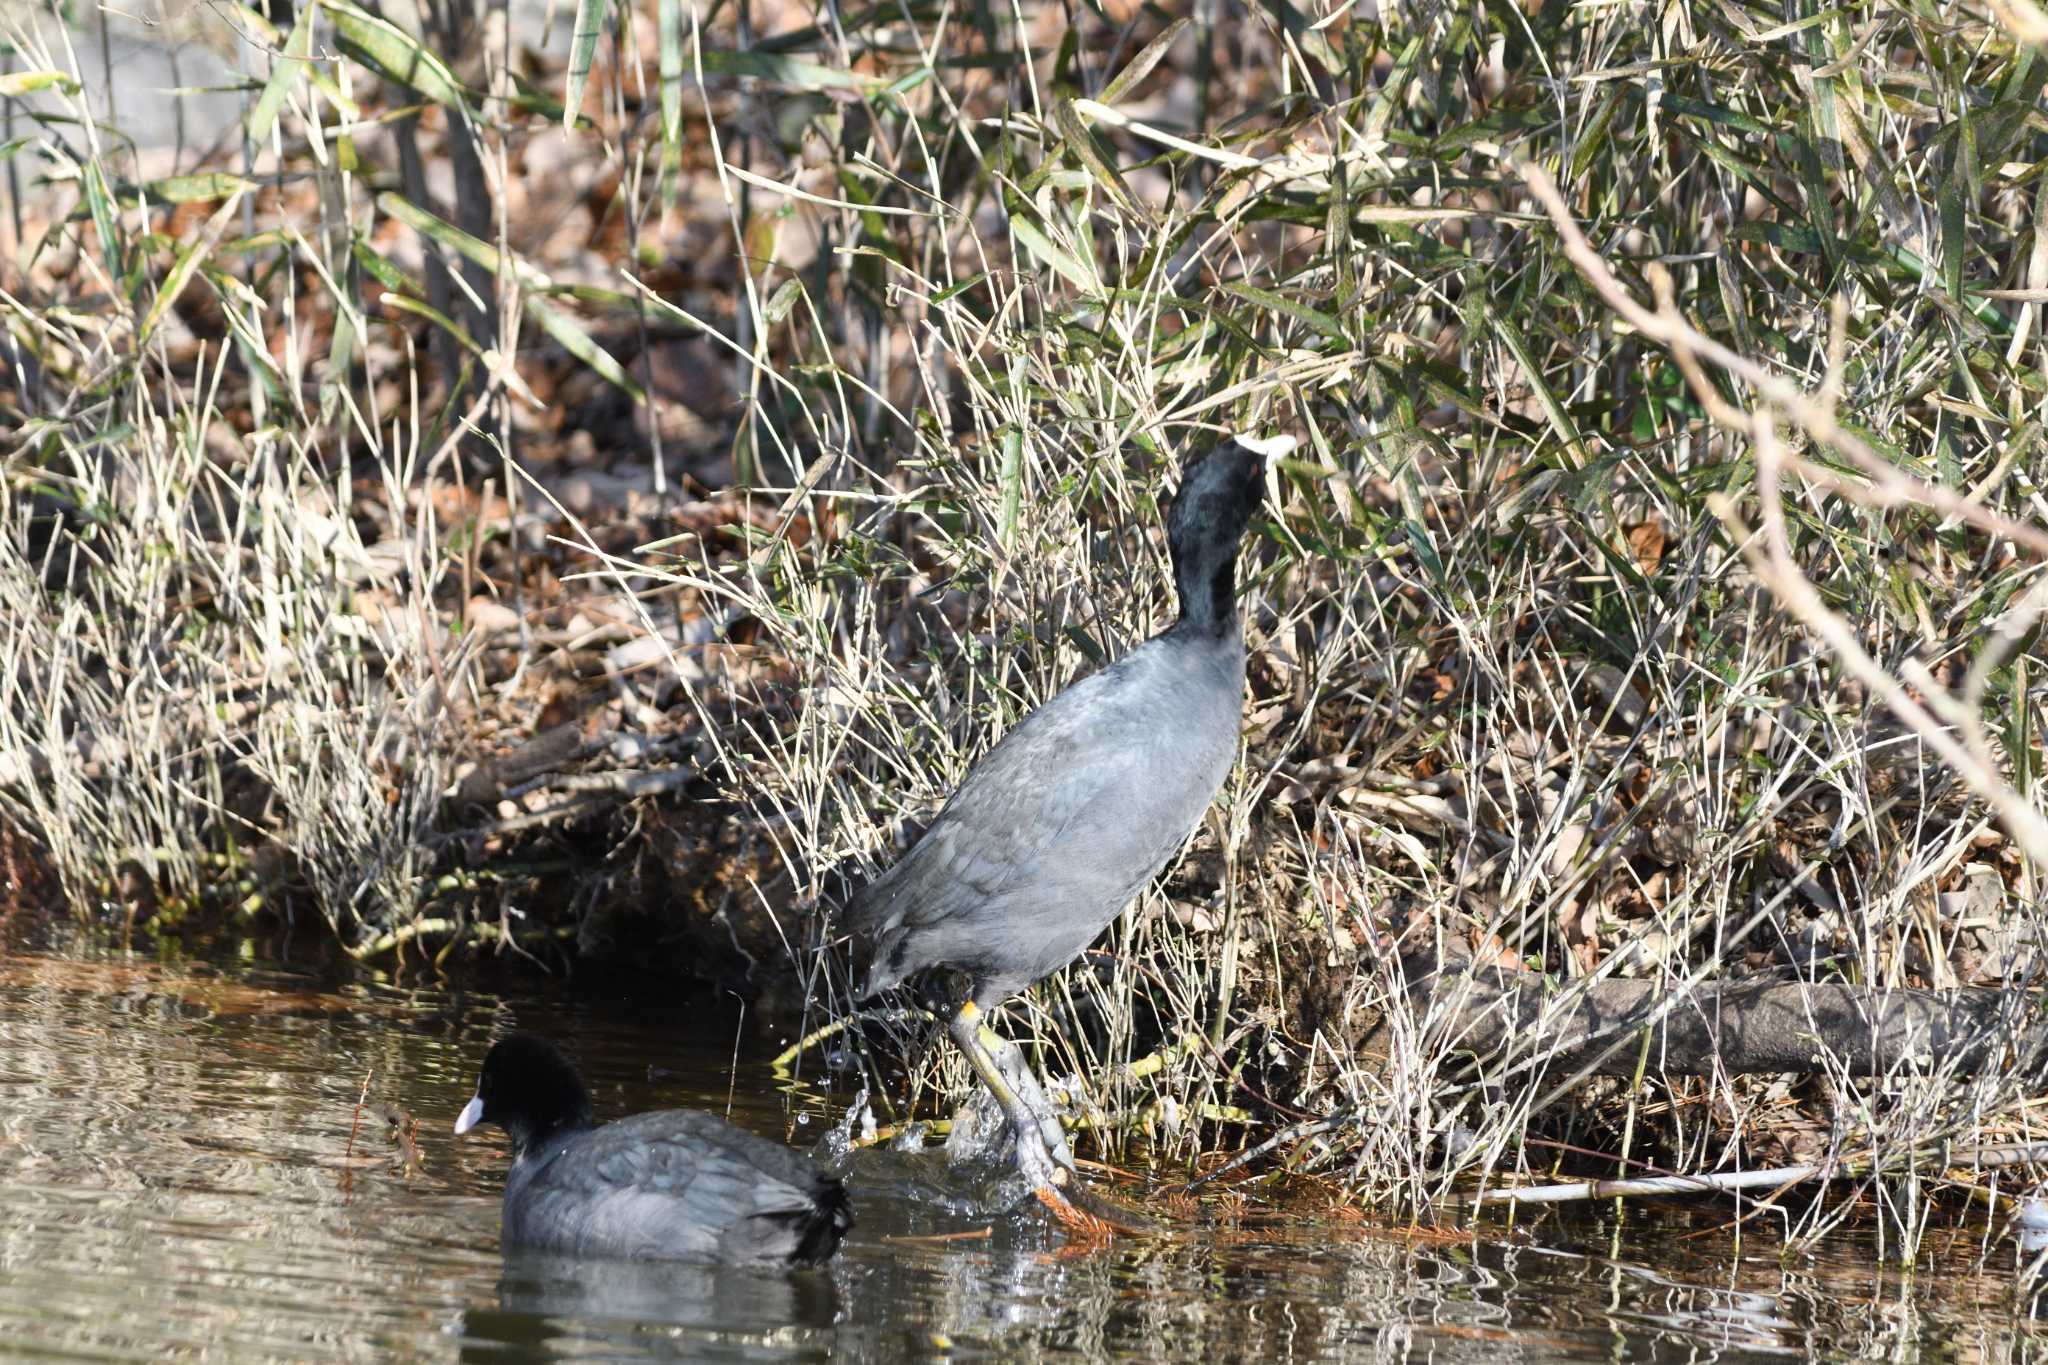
672,1185
1067,818
668,1185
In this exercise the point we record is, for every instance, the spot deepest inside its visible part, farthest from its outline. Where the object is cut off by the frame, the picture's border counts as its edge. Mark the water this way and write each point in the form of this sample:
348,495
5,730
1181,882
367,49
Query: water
177,1181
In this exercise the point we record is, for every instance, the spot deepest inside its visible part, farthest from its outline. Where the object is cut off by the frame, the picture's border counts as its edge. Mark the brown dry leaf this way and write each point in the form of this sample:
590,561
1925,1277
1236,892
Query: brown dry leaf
1580,926
1493,951
1646,542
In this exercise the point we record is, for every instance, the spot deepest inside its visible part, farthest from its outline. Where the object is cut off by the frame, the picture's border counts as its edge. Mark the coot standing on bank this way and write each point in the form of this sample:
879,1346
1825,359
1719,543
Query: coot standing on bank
668,1185
1063,822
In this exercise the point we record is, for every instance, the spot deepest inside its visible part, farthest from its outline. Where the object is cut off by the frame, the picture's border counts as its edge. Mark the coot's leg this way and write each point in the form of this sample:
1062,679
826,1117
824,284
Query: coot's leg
1016,1072
1045,1175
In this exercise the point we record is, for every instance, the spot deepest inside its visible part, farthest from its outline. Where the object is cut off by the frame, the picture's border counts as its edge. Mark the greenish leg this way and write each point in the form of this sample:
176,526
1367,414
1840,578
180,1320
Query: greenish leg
1027,1125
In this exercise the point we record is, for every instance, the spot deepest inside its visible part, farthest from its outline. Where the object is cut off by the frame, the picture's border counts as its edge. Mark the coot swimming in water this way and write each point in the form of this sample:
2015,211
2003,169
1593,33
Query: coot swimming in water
670,1185
1063,822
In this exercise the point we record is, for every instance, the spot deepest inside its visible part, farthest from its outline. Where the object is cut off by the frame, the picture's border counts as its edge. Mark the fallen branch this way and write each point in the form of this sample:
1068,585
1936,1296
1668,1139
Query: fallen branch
1776,1177
1725,1028
436,926
785,1059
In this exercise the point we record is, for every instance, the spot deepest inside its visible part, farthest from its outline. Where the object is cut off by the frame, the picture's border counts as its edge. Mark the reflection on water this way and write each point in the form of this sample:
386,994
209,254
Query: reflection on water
177,1179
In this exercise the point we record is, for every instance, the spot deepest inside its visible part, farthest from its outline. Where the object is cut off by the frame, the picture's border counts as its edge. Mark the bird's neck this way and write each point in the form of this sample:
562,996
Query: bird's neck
531,1137
1205,574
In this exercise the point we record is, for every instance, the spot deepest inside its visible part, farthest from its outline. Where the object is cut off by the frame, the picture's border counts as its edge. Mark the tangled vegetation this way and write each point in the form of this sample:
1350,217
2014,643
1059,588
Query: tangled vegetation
694,435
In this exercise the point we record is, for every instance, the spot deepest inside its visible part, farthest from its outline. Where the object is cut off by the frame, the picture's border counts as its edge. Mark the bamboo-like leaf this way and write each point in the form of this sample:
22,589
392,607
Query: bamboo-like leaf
1063,61
434,315
2019,740
1393,91
1074,134
285,70
589,23
189,260
771,66
669,17
1140,66
1012,479
395,54
382,270
781,301
100,204
341,348
577,342
1034,240
1594,140
951,292
28,82
203,188
330,90
462,243
1280,303
1560,420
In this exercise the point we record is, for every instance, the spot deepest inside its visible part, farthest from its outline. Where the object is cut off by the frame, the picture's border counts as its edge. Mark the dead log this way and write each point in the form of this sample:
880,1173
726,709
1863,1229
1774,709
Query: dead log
1721,1027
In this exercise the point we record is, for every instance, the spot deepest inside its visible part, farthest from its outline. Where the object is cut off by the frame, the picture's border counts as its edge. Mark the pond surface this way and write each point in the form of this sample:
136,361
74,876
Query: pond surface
177,1180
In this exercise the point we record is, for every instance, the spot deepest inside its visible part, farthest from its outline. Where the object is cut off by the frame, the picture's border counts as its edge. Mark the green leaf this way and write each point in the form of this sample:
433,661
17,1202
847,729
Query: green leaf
437,317
285,70
954,291
1280,303
189,260
341,348
589,23
1063,62
771,66
1783,236
203,188
394,54
670,15
1012,481
1425,550
28,82
1388,100
1140,66
101,206
1560,420
1594,140
382,270
577,342
781,301
1034,240
1077,139
1714,113
454,238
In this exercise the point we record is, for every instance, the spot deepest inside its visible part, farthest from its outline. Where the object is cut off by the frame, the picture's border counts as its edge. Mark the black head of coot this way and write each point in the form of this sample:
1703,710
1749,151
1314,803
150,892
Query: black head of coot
1219,493
529,1089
